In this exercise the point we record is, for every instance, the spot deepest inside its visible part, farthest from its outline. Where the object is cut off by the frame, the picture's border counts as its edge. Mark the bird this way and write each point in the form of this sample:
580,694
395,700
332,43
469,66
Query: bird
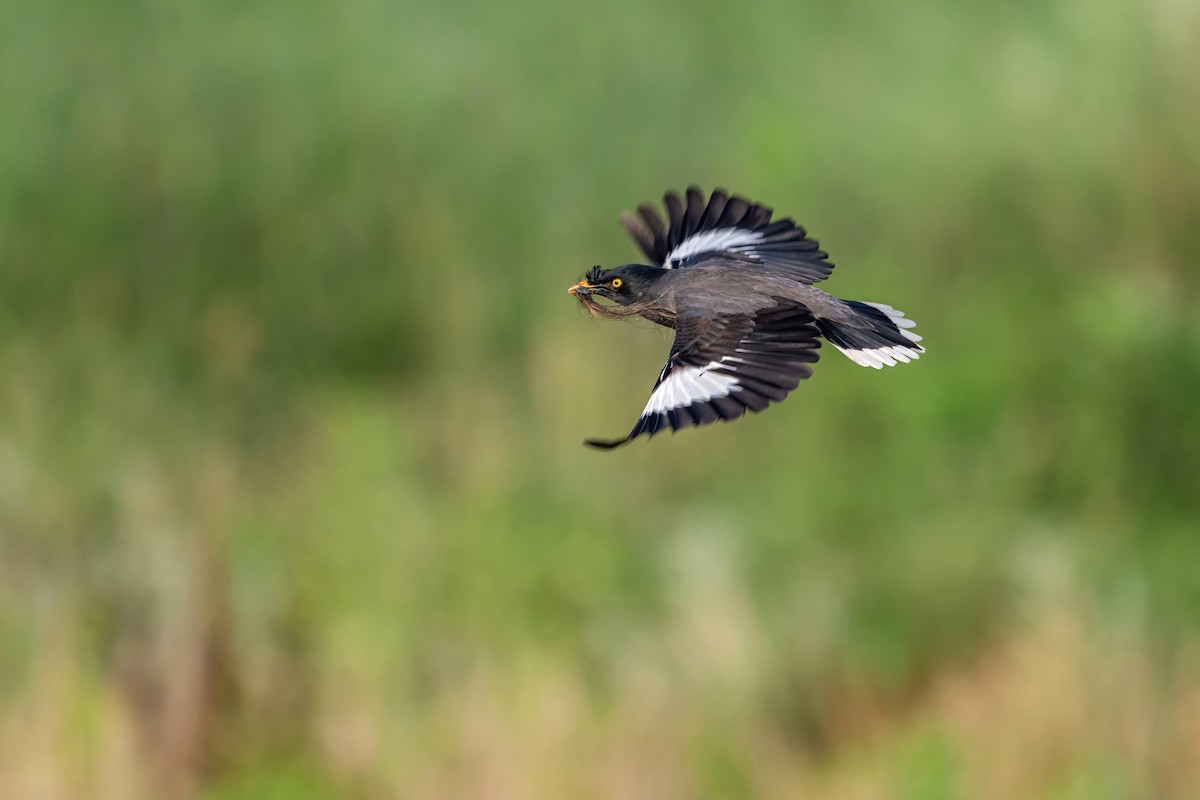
737,287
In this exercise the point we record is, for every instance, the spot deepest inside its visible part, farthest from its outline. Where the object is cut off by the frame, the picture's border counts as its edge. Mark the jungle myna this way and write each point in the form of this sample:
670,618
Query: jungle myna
737,288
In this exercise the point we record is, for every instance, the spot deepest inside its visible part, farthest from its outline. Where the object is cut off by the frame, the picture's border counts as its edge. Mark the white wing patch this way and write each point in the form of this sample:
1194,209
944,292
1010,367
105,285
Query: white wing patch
721,239
688,385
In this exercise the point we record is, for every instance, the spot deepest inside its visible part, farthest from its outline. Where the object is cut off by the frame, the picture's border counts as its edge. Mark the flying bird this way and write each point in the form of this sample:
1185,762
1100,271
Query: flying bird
737,287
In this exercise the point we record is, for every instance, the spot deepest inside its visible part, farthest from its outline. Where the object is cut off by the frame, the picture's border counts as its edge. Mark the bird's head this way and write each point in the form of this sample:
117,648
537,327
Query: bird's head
624,285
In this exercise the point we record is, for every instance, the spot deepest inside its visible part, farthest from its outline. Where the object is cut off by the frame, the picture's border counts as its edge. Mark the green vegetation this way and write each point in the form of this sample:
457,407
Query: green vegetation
292,497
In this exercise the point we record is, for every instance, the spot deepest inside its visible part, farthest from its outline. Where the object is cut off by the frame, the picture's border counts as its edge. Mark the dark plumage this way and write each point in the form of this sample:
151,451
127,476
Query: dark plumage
737,288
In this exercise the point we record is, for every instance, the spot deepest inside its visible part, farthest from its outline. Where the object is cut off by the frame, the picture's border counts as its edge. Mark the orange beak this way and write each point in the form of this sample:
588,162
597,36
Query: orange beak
582,286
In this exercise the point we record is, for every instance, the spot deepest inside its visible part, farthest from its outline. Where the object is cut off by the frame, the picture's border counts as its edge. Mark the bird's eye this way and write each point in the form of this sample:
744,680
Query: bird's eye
616,283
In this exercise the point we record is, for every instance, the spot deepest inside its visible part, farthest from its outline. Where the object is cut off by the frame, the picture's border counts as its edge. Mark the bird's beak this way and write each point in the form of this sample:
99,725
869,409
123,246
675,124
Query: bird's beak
583,288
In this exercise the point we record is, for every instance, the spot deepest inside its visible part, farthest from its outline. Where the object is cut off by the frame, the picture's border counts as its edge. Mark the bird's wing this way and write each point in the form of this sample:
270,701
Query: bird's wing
722,366
728,227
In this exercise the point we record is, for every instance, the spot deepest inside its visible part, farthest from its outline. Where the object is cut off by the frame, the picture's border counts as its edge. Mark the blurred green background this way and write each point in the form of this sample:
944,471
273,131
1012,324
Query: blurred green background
293,502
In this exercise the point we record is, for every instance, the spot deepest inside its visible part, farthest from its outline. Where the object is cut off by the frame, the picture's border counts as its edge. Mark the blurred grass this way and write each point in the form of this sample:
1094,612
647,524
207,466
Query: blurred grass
292,502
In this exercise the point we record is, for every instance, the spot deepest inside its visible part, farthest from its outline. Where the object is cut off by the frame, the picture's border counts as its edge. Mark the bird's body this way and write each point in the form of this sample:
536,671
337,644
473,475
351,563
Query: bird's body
737,289
731,289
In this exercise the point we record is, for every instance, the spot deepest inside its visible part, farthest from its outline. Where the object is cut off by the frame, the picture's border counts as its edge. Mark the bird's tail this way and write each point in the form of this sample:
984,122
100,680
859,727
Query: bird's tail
873,335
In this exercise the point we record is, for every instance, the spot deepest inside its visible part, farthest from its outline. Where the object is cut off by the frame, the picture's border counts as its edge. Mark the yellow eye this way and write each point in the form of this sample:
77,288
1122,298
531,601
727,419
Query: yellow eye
616,283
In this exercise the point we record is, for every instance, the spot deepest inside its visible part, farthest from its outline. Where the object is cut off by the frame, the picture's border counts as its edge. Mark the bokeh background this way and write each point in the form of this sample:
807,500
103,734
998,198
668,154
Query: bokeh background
293,502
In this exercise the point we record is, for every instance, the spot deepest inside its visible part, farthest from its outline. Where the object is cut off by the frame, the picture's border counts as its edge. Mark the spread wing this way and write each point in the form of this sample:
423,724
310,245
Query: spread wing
720,367
726,226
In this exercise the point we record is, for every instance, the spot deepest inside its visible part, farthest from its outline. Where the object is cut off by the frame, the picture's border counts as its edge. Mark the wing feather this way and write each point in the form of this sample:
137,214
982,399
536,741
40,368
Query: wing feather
726,227
675,215
722,366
